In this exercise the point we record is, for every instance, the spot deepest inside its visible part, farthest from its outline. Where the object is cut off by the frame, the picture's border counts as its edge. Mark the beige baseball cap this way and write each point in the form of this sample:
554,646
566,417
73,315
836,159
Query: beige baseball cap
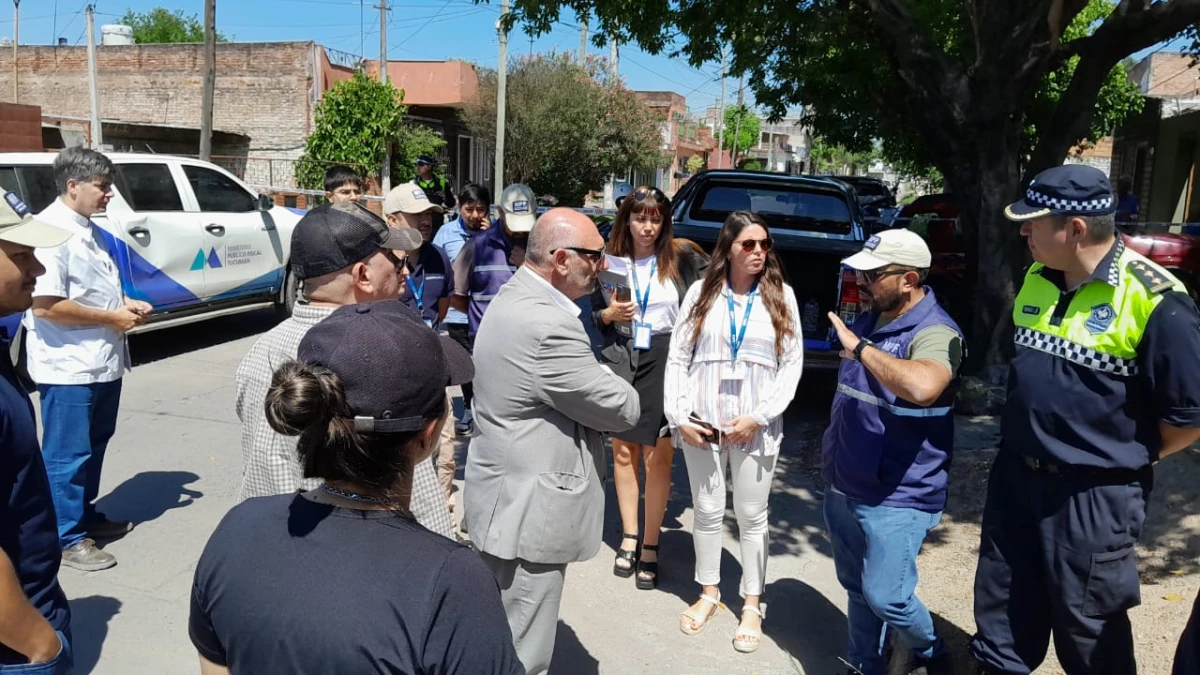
891,247
520,207
409,198
17,225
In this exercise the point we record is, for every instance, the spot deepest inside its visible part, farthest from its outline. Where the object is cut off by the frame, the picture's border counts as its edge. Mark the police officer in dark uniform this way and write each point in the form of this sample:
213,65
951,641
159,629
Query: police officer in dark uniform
1105,382
437,188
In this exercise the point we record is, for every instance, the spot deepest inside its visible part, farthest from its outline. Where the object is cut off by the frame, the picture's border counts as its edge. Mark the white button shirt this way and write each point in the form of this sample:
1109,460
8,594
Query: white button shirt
83,271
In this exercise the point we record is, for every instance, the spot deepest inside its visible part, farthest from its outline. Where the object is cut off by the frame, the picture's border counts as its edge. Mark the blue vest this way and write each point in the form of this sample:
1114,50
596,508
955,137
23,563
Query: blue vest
880,449
490,271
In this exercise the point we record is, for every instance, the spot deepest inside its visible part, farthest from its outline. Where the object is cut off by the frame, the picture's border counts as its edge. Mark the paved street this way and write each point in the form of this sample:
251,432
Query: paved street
174,465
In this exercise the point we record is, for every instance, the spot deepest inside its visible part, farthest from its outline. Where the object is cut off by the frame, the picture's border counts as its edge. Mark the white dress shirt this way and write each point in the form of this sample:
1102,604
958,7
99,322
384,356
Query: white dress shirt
83,271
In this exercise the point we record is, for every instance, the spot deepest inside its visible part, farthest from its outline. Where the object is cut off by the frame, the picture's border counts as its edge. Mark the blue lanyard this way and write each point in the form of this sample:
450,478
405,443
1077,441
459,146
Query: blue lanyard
643,300
736,337
418,292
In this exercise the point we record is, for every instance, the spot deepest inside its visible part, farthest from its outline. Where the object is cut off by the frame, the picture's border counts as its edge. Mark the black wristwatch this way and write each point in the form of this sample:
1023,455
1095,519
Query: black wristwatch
863,343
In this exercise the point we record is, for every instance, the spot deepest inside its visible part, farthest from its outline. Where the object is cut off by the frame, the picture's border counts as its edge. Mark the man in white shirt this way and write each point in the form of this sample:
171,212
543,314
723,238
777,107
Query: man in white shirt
77,353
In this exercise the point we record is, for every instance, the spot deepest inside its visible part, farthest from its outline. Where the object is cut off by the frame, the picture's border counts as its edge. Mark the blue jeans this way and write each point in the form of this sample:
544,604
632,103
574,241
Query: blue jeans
77,422
61,665
875,552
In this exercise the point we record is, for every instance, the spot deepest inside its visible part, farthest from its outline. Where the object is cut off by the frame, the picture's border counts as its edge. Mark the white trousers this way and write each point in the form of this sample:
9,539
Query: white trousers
751,476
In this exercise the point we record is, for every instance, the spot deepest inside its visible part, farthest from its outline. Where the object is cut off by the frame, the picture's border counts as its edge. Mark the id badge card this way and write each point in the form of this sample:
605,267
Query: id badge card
641,335
734,372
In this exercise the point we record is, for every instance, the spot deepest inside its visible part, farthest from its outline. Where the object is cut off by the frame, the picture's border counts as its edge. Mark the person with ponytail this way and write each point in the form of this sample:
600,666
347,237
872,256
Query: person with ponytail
636,318
735,362
342,578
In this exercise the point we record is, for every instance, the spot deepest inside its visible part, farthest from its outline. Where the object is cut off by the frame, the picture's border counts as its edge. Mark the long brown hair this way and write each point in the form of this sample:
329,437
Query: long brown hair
620,241
770,281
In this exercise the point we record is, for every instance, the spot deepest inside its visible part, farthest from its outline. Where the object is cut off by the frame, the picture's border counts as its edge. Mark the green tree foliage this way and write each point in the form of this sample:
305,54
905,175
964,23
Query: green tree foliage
742,122
354,124
566,128
161,25
836,159
695,163
986,92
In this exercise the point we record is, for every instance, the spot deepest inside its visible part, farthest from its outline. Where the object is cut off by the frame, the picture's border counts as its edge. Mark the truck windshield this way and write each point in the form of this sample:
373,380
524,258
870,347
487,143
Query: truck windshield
784,206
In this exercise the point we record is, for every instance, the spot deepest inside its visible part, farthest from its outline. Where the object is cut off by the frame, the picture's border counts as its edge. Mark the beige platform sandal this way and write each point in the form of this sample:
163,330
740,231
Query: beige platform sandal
693,624
746,640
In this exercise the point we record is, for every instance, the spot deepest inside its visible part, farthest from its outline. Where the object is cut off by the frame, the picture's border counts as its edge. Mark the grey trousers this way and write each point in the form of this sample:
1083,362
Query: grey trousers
532,593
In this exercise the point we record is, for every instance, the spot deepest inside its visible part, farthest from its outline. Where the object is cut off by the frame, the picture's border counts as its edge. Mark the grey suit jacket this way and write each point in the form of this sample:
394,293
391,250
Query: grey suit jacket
534,472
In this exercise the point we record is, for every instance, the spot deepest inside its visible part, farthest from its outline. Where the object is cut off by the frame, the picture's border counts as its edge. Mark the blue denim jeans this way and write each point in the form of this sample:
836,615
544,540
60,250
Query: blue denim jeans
875,553
61,665
77,422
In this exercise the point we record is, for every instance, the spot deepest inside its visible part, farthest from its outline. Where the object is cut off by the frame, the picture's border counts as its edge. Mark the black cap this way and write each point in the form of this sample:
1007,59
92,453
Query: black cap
394,368
335,236
427,159
1068,190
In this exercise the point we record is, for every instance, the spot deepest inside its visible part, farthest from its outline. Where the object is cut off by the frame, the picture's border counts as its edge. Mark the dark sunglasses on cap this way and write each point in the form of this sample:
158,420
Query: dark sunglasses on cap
748,245
645,192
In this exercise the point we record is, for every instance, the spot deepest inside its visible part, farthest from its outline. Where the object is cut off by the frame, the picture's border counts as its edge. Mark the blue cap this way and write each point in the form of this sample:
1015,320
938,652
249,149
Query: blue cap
1068,190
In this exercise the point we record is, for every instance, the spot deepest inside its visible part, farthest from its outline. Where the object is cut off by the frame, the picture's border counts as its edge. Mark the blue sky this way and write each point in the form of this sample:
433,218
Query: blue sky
418,30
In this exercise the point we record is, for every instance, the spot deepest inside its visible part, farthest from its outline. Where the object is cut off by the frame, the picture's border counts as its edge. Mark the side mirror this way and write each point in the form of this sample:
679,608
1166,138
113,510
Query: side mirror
266,202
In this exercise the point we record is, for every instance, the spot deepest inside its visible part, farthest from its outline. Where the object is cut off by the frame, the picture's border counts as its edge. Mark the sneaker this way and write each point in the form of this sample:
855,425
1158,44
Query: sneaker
108,529
466,424
86,557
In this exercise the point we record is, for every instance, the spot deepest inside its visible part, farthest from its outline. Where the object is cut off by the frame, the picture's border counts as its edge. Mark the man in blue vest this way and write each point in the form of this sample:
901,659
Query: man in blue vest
886,454
1105,382
493,256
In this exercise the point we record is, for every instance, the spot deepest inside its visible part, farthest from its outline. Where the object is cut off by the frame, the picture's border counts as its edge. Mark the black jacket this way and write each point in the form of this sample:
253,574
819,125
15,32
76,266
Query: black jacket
618,352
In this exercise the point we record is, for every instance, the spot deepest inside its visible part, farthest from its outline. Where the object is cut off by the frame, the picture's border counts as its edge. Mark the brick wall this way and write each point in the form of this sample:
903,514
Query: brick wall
1170,75
263,90
20,128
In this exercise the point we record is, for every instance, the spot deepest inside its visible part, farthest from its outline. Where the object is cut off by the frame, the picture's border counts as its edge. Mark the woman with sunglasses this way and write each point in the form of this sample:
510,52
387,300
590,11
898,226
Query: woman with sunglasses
342,578
636,317
735,362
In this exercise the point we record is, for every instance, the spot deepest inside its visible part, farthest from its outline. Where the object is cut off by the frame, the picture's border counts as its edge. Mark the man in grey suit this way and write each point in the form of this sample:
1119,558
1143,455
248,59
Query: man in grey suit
533,494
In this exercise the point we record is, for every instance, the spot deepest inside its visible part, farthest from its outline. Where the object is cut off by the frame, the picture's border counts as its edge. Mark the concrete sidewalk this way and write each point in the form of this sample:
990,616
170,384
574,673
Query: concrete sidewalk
174,467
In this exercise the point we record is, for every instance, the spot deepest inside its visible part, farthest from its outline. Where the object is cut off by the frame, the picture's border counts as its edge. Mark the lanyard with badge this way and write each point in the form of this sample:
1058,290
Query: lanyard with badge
736,336
642,329
418,293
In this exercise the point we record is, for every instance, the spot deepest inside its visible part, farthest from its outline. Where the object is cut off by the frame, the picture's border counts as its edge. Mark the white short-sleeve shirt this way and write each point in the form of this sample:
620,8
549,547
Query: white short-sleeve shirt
662,307
83,271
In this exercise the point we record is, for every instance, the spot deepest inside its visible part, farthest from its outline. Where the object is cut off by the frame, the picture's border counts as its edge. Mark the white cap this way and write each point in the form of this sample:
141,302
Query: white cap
520,208
891,247
18,226
408,198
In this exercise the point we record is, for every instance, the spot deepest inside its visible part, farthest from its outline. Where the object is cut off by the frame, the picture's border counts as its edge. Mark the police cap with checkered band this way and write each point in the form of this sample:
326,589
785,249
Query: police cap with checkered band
1068,190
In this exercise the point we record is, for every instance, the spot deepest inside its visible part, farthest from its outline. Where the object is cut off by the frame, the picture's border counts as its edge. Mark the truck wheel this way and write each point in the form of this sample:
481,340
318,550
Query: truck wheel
288,294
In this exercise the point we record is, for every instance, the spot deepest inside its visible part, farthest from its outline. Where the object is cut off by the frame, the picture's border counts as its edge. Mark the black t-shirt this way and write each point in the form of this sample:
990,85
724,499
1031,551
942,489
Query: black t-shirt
288,585
28,527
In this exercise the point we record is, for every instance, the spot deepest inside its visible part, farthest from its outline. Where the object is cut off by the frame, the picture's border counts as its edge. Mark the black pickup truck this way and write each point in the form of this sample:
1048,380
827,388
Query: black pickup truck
814,222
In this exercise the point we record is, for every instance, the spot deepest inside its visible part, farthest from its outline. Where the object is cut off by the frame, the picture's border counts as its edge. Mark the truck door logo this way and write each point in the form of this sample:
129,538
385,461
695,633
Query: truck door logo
212,260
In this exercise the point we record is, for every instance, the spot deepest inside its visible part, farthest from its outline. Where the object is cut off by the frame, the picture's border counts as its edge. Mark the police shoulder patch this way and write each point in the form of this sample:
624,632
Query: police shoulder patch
1150,277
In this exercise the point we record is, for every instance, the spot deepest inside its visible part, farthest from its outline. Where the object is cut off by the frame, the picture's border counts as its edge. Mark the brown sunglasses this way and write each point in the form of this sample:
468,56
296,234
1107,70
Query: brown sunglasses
748,245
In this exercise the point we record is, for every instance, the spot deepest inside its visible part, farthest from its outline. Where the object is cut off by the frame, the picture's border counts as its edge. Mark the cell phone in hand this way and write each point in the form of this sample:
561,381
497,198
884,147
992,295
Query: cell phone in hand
709,432
622,294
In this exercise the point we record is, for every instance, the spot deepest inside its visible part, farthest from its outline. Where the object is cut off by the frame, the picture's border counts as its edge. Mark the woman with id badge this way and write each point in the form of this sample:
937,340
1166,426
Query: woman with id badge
637,303
734,365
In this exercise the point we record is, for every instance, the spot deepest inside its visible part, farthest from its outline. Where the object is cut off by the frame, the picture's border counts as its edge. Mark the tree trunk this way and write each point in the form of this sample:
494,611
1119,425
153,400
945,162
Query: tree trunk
985,182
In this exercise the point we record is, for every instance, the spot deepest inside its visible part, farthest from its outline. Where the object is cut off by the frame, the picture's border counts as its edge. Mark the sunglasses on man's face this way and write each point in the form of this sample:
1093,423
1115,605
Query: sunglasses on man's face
748,245
868,278
593,254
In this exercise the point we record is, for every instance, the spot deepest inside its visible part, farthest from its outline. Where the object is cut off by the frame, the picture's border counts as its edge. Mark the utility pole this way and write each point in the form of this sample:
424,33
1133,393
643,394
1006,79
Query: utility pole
97,132
613,56
583,36
737,127
721,108
385,175
501,97
210,79
16,41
